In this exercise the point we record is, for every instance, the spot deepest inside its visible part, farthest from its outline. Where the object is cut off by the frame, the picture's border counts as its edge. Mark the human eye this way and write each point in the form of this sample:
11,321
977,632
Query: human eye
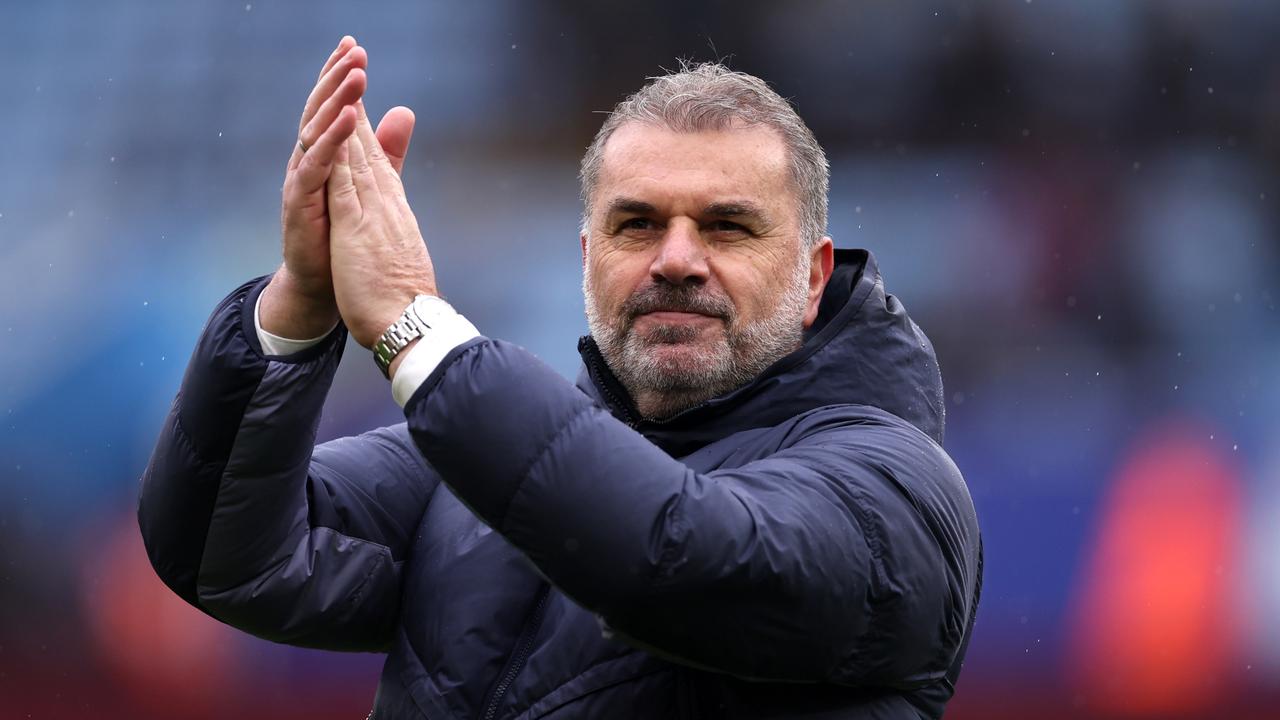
635,223
726,227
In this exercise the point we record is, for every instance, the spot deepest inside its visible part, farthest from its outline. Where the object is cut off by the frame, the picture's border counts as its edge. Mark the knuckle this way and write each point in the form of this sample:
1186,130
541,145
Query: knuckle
344,191
293,185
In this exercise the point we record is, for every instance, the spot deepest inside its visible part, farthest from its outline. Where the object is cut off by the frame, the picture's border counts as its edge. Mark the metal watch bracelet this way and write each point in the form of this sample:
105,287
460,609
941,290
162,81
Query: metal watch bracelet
395,338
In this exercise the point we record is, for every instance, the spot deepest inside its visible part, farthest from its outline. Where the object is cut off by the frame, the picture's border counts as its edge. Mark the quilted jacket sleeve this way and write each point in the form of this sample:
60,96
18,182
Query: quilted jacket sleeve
849,556
244,518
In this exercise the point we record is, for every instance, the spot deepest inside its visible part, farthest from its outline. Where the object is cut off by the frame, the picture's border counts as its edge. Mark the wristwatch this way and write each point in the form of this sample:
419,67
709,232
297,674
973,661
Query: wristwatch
411,326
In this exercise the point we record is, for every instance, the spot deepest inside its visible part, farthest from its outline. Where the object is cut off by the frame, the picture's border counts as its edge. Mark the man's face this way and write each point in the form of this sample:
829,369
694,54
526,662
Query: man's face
694,274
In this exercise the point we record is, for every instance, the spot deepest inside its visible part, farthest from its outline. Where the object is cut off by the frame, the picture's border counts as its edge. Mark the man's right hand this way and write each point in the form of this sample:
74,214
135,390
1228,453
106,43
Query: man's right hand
299,303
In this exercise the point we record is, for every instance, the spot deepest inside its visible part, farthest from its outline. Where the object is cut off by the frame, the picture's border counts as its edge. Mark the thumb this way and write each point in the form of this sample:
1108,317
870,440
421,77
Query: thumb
394,132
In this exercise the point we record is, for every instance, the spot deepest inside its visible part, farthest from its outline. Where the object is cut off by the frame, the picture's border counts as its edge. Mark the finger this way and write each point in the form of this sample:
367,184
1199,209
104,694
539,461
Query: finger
356,57
384,175
346,43
393,133
344,202
345,96
317,165
362,177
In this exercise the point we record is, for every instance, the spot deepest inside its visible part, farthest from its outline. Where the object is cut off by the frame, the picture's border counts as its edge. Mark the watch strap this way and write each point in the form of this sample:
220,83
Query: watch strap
409,327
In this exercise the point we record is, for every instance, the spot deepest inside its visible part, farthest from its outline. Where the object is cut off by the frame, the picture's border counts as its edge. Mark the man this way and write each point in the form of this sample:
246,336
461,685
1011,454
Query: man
742,510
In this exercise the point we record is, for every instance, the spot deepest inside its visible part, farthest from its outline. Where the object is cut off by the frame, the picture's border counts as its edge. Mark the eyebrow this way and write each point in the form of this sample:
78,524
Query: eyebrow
736,208
630,205
740,208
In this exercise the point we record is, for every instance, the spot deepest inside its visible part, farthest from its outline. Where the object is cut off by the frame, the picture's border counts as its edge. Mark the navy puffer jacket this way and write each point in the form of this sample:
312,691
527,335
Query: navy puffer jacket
521,548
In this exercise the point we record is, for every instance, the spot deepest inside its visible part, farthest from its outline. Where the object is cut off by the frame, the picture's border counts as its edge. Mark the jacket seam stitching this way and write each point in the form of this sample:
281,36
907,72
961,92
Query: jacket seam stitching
307,533
872,536
222,478
358,592
542,454
190,442
612,682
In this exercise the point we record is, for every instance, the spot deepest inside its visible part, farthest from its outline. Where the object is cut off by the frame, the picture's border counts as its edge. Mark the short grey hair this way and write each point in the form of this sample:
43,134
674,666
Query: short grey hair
710,96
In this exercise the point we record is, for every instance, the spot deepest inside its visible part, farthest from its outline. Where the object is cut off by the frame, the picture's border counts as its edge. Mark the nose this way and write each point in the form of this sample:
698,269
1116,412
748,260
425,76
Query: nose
682,256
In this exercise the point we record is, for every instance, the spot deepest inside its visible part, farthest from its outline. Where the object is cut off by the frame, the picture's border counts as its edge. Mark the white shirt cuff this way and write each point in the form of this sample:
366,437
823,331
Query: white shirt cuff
448,329
274,344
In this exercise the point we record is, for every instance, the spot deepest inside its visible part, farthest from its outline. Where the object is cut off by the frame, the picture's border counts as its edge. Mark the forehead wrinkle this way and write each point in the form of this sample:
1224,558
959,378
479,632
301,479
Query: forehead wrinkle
710,168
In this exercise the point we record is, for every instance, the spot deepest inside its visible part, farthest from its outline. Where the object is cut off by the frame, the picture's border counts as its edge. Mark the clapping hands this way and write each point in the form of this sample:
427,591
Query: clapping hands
351,243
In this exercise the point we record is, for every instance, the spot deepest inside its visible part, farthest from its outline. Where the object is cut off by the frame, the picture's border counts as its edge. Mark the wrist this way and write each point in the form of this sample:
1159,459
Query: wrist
368,323
399,358
289,311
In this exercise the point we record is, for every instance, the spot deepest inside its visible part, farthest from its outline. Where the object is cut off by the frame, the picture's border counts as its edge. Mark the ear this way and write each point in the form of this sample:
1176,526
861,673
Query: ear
582,239
822,261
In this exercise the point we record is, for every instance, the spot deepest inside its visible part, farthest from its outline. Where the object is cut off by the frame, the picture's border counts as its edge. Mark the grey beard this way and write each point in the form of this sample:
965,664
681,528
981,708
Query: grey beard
663,387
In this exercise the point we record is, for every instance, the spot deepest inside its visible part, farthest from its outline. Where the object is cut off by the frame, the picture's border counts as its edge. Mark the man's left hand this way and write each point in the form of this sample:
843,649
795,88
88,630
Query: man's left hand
377,253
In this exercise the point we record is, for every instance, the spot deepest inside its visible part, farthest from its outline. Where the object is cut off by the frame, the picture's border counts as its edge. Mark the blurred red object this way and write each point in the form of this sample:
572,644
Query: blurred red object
169,657
1154,622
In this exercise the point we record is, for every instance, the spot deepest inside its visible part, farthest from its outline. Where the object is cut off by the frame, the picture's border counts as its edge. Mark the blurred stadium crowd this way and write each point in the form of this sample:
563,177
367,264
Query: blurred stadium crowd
1077,201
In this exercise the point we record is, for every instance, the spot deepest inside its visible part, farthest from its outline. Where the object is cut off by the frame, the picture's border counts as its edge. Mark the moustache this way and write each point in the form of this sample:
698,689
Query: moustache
678,298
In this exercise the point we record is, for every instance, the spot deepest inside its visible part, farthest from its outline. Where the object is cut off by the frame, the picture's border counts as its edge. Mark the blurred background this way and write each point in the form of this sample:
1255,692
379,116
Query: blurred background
1079,202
